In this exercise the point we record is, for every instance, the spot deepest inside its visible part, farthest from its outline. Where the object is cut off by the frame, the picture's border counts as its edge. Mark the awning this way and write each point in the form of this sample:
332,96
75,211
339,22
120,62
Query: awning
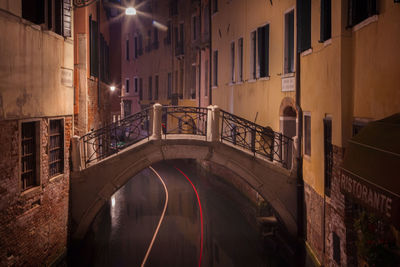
371,168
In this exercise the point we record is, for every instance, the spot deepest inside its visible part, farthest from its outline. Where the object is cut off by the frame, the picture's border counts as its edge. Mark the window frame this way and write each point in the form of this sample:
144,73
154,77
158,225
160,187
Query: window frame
232,61
253,54
63,144
307,138
38,158
127,85
150,88
286,44
215,68
240,59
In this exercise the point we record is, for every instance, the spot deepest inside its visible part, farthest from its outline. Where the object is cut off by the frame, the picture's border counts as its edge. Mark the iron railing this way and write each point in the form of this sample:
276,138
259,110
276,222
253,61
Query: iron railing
258,139
108,140
184,120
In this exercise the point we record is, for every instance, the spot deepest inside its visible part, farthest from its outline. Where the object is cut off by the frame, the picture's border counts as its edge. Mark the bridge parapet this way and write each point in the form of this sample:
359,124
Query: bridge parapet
159,121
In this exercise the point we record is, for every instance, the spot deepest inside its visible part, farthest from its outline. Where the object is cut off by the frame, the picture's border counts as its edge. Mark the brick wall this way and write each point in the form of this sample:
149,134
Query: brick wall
33,223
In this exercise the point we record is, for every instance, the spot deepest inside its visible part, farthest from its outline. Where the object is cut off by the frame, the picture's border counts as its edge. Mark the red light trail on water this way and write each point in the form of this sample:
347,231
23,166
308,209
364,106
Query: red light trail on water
201,214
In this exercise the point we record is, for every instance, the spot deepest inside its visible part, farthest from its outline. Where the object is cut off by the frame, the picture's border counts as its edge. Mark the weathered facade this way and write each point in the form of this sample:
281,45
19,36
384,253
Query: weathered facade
164,49
36,116
97,56
349,76
345,75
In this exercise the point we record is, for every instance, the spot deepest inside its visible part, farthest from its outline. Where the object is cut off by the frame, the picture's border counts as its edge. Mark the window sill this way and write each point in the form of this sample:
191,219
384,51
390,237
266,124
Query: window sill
307,52
307,157
241,82
264,78
327,42
251,81
31,191
231,83
56,177
288,75
214,87
365,22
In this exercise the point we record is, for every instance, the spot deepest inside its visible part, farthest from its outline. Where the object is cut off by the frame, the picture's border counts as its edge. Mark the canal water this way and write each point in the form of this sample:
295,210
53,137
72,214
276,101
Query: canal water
222,233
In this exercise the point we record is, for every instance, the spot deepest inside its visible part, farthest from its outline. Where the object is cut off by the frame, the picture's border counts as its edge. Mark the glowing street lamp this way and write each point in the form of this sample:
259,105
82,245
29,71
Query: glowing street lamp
130,11
112,88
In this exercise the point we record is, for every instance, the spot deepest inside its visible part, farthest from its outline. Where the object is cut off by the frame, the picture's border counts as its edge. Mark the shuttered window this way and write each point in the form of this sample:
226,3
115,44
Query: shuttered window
93,47
127,85
307,134
150,88
326,21
66,18
56,147
233,62
215,70
156,87
303,25
263,50
289,43
140,89
253,55
240,60
359,10
29,157
169,89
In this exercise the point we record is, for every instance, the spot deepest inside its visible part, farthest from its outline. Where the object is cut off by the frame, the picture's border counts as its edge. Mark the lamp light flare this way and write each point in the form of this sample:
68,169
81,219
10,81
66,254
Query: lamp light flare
113,201
160,26
112,88
130,11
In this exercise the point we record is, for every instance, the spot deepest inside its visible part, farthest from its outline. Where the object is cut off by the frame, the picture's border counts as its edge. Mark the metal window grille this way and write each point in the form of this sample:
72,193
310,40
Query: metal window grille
28,155
56,147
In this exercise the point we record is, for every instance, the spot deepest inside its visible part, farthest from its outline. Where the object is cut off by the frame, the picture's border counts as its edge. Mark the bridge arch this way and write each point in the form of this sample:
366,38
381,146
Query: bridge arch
92,187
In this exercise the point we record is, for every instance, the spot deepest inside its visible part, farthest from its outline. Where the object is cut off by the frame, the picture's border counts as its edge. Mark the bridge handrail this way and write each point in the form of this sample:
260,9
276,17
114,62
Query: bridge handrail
225,127
108,140
189,120
261,140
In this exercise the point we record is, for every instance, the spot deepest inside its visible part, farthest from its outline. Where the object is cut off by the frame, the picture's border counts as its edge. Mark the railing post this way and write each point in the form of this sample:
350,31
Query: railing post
157,114
295,151
209,123
215,124
75,154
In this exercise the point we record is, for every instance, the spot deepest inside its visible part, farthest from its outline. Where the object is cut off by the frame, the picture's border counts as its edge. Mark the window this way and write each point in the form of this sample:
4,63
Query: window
307,134
263,50
150,88
304,25
181,85
140,52
289,43
328,155
194,30
94,59
336,247
54,15
136,47
215,70
140,89
127,50
136,84
253,55
155,43
214,6
167,39
326,22
173,7
29,154
193,82
148,46
169,89
56,147
206,84
240,59
127,85
127,108
359,10
156,87
233,62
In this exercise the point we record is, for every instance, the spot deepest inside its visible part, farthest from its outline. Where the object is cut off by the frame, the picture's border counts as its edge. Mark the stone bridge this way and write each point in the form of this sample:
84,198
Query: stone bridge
105,159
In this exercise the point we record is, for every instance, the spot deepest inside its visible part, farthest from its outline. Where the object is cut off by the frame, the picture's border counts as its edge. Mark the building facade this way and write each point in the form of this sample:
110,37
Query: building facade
97,57
349,77
319,70
36,122
164,49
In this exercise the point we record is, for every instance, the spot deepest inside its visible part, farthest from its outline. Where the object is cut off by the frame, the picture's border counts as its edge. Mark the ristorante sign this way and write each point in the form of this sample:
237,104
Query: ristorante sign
371,196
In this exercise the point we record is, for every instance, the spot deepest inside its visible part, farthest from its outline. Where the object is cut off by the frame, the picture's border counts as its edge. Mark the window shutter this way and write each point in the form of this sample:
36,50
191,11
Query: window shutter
66,18
260,51
93,47
303,25
266,50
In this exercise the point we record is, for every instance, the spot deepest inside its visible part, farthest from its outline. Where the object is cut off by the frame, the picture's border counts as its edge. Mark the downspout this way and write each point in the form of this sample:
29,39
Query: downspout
210,55
300,182
199,48
98,55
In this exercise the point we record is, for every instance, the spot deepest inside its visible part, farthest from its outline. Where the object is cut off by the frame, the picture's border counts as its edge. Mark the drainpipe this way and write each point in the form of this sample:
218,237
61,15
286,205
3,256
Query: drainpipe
98,53
210,55
300,182
200,36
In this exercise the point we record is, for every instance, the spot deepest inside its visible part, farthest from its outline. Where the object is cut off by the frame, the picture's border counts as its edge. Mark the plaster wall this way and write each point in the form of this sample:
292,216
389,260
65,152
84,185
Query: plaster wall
31,65
250,98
